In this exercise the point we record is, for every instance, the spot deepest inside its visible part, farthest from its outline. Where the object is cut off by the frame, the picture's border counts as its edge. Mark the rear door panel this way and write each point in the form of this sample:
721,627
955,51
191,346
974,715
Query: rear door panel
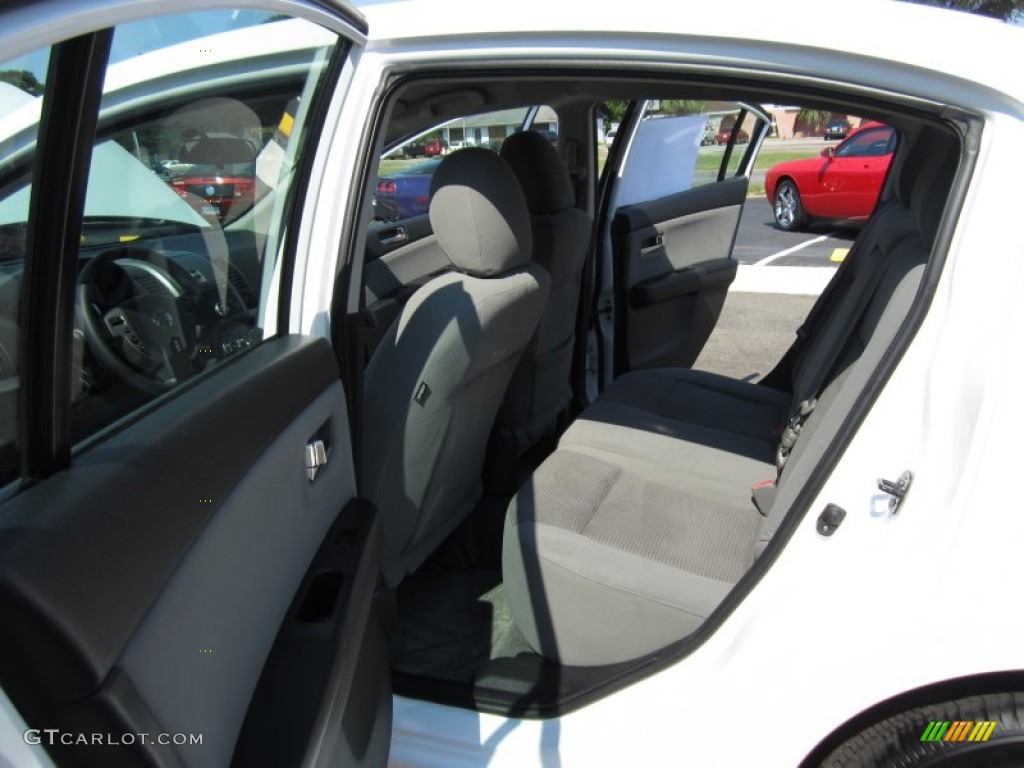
674,254
671,256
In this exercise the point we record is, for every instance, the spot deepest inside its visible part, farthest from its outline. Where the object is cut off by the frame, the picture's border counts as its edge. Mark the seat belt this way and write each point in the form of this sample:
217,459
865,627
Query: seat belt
763,494
808,399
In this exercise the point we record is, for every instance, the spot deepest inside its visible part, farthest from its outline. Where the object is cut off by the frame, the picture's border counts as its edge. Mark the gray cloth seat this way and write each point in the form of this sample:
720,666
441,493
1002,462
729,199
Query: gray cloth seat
631,533
435,382
602,565
540,388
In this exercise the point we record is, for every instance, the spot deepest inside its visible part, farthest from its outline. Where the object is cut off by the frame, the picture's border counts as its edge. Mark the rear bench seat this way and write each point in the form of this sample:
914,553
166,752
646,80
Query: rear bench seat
630,534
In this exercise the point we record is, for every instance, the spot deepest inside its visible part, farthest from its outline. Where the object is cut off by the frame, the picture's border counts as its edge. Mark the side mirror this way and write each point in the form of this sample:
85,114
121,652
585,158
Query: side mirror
828,152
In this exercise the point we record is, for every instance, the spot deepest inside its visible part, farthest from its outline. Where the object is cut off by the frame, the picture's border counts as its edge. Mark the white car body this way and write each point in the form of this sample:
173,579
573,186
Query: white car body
835,625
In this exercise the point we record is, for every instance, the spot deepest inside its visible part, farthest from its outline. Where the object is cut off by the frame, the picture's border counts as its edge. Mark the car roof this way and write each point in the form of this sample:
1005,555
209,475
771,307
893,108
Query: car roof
873,42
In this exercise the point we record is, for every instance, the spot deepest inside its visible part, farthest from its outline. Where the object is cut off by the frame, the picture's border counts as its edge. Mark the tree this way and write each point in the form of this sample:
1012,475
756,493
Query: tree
23,79
813,119
683,107
613,111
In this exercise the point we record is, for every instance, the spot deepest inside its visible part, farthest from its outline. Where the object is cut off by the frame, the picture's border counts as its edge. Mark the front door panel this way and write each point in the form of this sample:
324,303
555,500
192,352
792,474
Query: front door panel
185,566
145,585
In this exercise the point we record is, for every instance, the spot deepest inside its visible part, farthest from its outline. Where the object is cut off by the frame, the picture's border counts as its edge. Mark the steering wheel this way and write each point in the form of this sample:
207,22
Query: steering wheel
138,336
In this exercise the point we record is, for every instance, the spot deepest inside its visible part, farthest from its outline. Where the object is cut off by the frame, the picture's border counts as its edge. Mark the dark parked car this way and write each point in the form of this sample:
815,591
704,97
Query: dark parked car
429,148
405,193
837,129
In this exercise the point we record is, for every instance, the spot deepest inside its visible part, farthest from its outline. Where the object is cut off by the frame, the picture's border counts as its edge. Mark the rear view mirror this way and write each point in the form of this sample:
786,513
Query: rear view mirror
828,152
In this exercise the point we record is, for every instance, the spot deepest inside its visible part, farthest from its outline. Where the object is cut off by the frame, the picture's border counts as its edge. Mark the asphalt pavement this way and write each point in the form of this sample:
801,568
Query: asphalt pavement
780,275
759,241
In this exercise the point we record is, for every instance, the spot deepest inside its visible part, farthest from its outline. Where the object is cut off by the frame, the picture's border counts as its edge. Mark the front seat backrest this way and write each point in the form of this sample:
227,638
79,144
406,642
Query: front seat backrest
436,380
540,389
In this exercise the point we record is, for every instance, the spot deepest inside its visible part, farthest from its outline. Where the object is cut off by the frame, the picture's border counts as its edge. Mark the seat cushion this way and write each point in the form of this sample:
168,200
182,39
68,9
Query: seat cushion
644,424
704,399
601,565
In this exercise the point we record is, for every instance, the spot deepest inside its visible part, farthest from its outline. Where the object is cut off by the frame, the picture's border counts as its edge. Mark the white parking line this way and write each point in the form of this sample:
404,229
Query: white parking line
807,281
794,249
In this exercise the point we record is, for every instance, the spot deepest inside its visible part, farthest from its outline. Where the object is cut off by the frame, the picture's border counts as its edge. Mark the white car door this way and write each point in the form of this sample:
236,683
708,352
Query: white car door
187,575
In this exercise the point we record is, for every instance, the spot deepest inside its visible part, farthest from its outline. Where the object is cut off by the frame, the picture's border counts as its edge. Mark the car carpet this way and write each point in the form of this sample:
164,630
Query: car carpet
452,621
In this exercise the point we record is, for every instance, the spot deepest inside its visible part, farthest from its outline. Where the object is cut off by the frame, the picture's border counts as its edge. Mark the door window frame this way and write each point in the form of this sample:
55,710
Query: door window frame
67,135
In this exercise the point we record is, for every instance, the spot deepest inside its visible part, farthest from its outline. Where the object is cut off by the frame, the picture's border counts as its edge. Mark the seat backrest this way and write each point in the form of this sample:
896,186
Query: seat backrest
220,150
838,305
900,248
435,382
540,388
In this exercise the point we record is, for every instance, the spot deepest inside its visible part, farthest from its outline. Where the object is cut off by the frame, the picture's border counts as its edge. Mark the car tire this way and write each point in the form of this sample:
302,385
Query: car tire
788,208
897,740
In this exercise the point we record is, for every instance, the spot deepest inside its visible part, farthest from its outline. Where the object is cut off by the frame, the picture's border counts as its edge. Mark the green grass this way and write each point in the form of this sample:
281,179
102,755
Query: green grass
767,158
390,165
710,158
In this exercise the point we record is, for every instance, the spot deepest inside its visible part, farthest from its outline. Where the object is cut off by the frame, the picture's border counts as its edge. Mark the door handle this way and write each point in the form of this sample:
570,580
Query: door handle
316,458
652,245
394,236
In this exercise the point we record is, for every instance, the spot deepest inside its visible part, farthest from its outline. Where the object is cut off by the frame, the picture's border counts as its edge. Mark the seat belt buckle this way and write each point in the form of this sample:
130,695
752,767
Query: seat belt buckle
763,495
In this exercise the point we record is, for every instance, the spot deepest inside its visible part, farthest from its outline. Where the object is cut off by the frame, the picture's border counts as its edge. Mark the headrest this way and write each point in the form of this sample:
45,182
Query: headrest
479,214
931,188
220,151
540,171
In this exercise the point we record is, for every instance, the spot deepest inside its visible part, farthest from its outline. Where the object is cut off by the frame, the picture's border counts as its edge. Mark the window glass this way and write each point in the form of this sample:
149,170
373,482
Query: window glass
202,120
402,187
873,142
679,144
22,84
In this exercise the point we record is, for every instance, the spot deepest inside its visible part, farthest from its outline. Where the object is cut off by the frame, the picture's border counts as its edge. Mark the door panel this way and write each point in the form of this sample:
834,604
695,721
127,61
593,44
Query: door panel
674,257
145,585
188,508
673,193
400,257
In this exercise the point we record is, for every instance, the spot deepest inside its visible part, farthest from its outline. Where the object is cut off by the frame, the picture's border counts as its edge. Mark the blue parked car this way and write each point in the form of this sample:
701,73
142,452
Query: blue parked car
406,193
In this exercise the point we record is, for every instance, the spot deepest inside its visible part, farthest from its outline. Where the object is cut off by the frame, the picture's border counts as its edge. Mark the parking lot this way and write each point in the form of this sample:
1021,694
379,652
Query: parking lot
760,242
780,275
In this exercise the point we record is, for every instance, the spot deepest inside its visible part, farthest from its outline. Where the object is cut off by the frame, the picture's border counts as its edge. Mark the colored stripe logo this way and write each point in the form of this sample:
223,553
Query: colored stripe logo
958,730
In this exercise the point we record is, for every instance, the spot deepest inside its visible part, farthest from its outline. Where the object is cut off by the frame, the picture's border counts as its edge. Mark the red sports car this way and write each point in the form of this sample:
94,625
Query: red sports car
843,183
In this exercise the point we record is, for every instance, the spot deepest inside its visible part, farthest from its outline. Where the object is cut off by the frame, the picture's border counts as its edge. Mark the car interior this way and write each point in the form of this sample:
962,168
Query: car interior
502,485
616,518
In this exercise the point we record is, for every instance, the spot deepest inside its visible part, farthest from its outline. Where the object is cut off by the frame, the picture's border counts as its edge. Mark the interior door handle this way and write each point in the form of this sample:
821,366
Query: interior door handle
394,236
652,245
316,458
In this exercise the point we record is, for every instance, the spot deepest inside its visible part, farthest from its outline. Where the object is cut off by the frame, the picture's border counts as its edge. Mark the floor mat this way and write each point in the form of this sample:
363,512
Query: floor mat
452,621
